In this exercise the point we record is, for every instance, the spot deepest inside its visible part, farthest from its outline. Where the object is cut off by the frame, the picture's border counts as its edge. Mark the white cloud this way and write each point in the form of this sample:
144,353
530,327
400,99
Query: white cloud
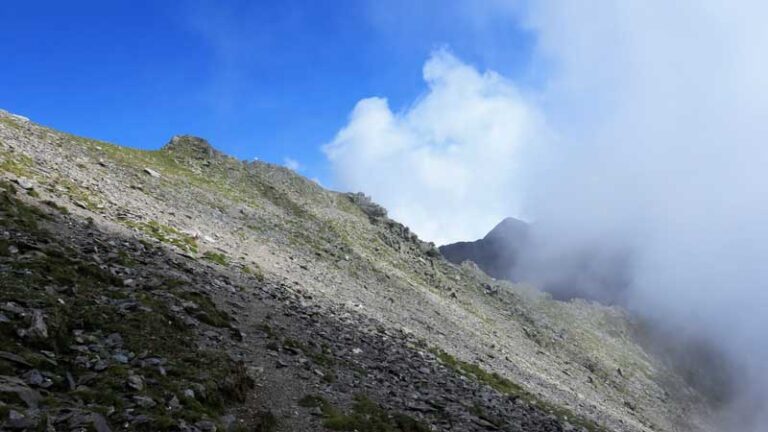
447,166
663,104
292,164
659,112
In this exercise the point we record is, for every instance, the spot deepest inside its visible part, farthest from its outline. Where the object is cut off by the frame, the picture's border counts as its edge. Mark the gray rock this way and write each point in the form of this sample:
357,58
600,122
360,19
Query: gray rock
144,401
33,377
25,184
152,172
174,404
229,422
120,358
135,382
18,421
100,423
14,358
114,340
38,329
18,388
206,426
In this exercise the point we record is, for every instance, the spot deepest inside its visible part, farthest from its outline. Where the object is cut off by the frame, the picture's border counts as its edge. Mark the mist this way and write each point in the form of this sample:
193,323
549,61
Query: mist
639,154
659,111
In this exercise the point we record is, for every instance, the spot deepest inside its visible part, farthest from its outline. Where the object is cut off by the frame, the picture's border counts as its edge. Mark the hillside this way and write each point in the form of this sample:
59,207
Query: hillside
182,289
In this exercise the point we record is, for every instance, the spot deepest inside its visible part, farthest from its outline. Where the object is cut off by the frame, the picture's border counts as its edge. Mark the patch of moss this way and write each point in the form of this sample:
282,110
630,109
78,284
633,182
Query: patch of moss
17,164
207,311
78,196
125,259
265,422
15,213
215,257
493,379
267,329
8,121
165,234
253,270
53,205
365,416
507,387
89,298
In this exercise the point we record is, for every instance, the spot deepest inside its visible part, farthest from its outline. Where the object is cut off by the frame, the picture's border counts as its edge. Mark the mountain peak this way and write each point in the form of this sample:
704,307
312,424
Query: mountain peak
509,228
189,145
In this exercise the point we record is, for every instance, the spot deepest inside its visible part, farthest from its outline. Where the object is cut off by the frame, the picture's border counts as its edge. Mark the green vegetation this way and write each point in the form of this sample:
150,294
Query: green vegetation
53,205
165,234
365,416
125,259
17,164
79,196
265,422
205,310
507,387
215,257
253,270
470,370
10,122
23,216
92,301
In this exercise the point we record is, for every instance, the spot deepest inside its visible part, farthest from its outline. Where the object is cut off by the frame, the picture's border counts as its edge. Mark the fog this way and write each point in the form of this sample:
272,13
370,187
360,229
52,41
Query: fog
639,154
661,152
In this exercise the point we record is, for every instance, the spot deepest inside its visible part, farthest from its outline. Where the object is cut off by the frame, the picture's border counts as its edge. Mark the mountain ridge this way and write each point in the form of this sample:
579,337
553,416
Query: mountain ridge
285,244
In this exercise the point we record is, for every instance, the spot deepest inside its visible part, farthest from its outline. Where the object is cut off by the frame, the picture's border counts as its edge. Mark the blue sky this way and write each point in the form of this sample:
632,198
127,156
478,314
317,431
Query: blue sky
266,79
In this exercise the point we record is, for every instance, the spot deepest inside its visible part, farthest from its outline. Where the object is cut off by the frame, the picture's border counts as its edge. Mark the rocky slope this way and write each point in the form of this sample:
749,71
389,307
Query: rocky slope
181,289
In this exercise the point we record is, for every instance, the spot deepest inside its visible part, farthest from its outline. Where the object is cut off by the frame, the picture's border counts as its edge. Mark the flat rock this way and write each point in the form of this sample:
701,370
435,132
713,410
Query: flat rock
15,386
152,173
25,184
14,358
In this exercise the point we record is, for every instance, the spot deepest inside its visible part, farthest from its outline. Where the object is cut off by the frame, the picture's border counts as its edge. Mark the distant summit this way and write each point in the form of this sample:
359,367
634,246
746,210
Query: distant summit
509,251
497,253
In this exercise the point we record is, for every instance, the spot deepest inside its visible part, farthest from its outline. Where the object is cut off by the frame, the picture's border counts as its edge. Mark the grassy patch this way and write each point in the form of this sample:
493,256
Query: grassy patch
10,122
15,213
206,311
365,416
165,234
253,270
53,205
507,387
90,299
215,257
265,422
471,370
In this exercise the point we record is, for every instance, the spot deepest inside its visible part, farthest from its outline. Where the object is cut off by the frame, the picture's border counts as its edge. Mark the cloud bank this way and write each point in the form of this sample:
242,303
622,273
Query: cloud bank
448,164
649,137
659,109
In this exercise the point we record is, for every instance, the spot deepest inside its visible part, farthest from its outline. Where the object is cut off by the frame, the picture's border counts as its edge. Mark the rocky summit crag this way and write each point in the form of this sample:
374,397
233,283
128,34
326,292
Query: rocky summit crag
182,289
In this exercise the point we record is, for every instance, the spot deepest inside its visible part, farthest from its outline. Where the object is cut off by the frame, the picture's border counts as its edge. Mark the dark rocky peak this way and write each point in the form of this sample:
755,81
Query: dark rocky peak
508,229
191,146
497,253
